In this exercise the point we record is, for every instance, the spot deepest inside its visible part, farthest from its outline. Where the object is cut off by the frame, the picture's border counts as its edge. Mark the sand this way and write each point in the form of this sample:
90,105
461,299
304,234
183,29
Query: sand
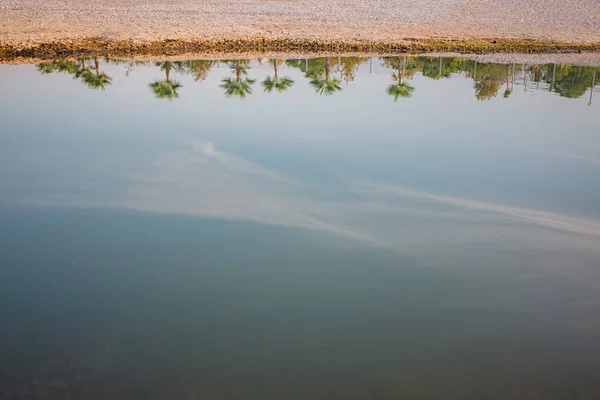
36,27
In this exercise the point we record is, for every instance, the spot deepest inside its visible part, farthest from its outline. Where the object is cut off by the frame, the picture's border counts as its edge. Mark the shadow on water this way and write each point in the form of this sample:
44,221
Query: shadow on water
326,74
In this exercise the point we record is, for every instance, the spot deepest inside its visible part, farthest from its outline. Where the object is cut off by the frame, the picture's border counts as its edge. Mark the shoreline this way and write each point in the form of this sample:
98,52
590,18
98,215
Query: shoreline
133,49
59,28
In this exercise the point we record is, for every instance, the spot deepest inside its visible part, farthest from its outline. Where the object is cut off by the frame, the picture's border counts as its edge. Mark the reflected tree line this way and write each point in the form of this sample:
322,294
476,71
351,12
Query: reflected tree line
80,69
326,74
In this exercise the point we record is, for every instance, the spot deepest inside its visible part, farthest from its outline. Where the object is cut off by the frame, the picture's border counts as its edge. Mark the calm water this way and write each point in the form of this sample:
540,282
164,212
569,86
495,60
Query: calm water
354,228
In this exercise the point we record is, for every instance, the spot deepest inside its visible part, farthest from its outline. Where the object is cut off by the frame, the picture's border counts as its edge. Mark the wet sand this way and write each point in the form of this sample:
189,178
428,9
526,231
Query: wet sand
36,27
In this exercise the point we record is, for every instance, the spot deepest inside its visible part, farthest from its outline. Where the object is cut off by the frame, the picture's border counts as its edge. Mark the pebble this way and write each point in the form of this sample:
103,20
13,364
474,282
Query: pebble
44,20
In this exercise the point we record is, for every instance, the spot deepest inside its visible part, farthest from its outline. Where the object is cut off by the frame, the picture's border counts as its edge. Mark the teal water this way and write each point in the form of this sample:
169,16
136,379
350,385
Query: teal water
413,227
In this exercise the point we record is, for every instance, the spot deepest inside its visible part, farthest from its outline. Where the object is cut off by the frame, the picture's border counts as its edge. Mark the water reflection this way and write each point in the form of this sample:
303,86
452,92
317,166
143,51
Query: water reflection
240,86
167,88
592,89
326,74
396,239
80,69
199,69
276,83
400,89
322,81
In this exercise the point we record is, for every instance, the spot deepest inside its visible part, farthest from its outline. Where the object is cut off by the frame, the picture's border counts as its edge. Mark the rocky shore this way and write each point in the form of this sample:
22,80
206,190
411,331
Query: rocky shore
52,28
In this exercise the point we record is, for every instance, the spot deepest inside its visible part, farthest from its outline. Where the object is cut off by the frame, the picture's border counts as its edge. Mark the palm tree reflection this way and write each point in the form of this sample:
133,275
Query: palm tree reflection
96,79
239,86
276,83
167,88
322,81
93,78
400,89
570,81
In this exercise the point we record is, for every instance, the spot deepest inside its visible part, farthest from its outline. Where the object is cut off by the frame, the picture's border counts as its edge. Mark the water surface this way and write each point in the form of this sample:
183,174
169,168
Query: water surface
395,227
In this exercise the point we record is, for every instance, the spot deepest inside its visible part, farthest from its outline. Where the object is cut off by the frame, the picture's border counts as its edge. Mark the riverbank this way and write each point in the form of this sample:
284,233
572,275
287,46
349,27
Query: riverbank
47,29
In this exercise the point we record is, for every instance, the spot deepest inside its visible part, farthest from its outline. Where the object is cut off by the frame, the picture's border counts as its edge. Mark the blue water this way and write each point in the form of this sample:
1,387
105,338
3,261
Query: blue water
296,245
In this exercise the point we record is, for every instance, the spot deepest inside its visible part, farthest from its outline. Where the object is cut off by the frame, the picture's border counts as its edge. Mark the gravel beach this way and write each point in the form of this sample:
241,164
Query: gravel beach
29,23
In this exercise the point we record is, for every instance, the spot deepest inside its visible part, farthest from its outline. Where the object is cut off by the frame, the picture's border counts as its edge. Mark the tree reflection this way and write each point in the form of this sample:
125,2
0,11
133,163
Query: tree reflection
326,73
322,81
276,83
66,66
240,86
167,88
349,67
508,89
199,68
489,80
400,89
572,81
95,79
592,88
441,67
